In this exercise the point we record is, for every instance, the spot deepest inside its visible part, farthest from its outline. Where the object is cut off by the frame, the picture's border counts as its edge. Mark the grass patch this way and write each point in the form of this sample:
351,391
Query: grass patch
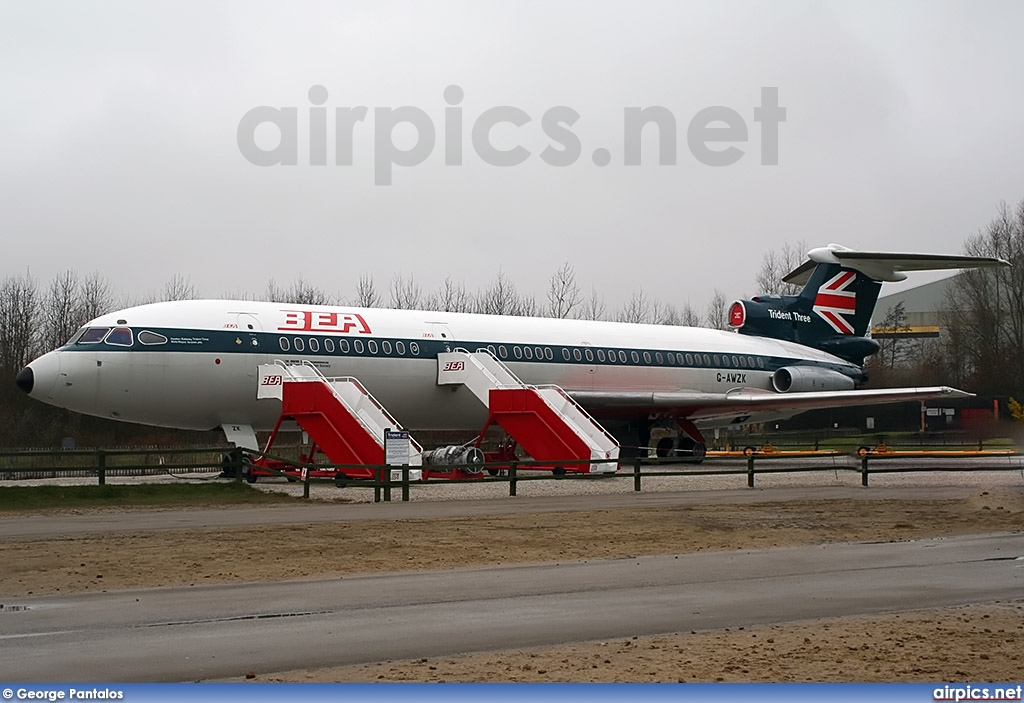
40,497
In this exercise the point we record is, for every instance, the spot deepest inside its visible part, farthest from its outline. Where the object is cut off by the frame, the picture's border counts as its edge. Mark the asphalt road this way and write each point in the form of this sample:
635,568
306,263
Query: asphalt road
184,634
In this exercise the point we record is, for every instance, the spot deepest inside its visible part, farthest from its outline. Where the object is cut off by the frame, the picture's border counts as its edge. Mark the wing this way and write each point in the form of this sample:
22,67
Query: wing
741,401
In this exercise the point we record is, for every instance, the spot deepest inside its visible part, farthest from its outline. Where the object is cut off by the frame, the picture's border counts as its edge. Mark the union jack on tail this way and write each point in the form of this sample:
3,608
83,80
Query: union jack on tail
835,300
833,311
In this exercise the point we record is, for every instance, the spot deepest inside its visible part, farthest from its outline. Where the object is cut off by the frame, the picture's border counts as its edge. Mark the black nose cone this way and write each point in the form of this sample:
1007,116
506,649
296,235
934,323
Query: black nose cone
25,379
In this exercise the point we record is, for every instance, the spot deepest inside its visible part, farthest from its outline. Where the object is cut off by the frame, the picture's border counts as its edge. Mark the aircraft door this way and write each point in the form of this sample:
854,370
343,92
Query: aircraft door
249,339
249,329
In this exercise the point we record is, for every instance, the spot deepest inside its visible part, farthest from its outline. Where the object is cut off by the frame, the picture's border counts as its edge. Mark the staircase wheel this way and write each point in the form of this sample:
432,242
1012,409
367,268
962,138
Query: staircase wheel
558,471
340,480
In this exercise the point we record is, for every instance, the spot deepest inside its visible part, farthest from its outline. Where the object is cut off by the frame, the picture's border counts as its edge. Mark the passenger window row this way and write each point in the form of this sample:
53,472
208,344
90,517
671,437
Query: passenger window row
122,337
622,356
345,346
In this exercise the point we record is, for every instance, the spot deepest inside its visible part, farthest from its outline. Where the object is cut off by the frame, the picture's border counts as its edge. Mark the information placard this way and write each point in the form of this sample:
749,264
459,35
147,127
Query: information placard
396,447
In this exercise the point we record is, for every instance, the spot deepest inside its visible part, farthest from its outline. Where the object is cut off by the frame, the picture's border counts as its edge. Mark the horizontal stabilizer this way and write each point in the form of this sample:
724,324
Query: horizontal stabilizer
884,266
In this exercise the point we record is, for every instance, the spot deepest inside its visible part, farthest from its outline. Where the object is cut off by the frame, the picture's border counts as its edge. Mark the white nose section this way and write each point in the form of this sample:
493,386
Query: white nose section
45,374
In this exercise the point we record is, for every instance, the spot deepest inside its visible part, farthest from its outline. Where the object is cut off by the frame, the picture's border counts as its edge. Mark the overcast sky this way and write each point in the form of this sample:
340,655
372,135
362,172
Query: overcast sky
119,125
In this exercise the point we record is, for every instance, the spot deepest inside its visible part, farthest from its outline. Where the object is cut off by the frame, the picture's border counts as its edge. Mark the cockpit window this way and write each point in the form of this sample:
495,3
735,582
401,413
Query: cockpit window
76,336
93,335
120,337
149,338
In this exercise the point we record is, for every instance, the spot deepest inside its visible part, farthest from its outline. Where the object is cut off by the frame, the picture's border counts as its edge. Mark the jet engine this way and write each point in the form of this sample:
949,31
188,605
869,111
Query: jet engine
469,459
799,379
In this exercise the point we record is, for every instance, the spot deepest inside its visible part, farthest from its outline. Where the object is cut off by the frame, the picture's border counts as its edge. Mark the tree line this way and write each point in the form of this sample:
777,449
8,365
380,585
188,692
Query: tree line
981,348
981,318
37,317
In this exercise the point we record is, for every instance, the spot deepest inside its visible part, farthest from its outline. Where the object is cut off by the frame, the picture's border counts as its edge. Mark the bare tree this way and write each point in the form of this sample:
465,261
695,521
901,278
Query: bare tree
563,292
366,294
716,316
499,298
69,303
690,317
668,315
60,316
638,309
526,305
274,293
776,264
983,325
19,311
179,288
97,297
593,307
452,297
405,293
891,351
303,293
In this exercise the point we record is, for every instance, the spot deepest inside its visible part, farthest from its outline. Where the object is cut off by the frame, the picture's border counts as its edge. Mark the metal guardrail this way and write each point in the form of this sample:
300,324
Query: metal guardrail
102,463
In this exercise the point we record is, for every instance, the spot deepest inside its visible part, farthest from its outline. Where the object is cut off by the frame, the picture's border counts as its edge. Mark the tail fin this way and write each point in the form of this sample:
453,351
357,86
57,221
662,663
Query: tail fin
833,311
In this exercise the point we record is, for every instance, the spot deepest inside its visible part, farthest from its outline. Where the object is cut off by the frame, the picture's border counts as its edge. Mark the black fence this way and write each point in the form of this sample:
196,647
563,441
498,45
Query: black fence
189,462
81,463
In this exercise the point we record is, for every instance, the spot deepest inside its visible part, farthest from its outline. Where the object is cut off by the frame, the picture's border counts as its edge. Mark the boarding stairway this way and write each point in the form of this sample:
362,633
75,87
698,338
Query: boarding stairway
339,414
544,420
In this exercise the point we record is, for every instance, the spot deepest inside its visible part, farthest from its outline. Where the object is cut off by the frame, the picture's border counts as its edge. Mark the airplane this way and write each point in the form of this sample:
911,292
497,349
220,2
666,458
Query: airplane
193,364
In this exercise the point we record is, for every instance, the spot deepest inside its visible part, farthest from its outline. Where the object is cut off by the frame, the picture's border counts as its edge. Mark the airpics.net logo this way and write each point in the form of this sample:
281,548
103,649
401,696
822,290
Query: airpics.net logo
712,134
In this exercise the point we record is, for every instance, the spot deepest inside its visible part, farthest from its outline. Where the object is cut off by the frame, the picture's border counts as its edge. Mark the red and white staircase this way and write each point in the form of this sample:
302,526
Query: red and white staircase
545,421
340,416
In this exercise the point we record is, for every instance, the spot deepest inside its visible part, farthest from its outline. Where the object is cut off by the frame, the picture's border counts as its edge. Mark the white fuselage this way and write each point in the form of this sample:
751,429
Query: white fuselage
193,364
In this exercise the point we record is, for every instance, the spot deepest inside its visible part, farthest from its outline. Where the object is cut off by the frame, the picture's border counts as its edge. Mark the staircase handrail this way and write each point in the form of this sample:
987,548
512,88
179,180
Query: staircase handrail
572,401
518,383
329,381
580,408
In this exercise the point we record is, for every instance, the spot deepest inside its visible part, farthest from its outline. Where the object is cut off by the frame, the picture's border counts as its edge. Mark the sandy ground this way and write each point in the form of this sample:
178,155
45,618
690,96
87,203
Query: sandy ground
977,643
